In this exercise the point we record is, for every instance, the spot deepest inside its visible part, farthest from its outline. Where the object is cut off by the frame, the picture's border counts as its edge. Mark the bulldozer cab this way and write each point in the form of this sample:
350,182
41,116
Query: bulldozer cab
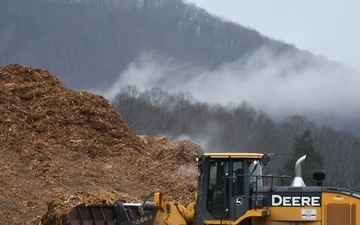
225,185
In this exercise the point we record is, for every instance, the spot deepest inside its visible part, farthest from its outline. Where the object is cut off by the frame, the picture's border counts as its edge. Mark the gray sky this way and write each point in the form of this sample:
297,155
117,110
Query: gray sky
324,27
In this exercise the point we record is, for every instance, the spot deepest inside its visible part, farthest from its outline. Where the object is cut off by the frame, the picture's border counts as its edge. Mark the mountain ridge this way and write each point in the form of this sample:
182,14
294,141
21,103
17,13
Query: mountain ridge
82,39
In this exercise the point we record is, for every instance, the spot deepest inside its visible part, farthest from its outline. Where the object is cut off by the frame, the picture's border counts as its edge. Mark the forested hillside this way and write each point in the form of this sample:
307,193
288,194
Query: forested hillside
87,43
240,128
93,44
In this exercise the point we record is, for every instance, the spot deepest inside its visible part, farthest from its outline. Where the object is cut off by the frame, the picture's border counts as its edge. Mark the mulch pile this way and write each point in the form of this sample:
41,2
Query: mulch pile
61,147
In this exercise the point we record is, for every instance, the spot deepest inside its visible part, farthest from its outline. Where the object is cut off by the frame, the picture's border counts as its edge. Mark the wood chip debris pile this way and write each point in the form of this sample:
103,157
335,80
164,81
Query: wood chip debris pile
61,147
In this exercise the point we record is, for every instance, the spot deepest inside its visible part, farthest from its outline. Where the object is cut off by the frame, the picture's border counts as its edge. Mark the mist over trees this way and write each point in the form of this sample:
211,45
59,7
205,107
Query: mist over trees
241,128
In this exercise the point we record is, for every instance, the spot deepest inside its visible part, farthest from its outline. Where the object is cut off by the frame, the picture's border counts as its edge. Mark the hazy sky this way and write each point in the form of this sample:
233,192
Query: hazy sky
324,27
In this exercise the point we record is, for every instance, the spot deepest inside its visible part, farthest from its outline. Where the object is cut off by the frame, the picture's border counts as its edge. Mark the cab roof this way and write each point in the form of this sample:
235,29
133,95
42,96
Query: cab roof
234,155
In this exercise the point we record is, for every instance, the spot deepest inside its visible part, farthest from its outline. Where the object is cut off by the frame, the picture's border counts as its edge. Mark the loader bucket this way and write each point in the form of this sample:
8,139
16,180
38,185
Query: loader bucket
90,215
120,213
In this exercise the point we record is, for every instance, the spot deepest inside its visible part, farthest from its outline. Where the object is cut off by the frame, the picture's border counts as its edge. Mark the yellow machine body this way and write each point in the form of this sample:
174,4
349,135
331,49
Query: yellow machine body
232,190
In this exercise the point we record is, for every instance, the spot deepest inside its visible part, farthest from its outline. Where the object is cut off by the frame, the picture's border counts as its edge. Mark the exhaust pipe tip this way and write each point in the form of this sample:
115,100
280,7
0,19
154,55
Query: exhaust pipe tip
298,181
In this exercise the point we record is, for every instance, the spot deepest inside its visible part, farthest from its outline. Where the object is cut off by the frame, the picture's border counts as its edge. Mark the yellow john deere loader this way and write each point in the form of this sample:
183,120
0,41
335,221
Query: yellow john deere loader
233,190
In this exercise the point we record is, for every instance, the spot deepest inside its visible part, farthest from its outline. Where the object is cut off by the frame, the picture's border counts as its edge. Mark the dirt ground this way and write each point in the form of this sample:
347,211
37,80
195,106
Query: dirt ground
61,147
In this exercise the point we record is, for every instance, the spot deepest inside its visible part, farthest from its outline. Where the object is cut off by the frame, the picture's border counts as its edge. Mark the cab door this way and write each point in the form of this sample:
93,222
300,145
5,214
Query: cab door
228,194
239,188
217,197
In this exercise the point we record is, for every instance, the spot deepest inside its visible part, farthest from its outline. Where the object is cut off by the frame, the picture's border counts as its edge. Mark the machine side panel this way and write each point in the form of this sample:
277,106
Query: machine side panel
294,223
340,208
338,214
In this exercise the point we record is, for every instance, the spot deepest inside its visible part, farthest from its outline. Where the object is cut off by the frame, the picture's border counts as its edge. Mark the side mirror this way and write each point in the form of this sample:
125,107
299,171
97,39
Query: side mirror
265,159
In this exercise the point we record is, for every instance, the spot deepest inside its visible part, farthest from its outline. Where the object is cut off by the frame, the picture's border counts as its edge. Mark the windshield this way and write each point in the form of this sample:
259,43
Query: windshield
256,173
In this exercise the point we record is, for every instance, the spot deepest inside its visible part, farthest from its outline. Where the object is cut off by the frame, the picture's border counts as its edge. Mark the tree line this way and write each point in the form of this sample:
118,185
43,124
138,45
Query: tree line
241,128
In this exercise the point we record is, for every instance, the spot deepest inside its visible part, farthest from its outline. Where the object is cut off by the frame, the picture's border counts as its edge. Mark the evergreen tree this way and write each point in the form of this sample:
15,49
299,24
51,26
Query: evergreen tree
303,145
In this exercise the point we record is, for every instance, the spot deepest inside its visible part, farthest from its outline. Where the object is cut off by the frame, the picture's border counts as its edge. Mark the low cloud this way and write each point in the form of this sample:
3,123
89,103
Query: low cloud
281,86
